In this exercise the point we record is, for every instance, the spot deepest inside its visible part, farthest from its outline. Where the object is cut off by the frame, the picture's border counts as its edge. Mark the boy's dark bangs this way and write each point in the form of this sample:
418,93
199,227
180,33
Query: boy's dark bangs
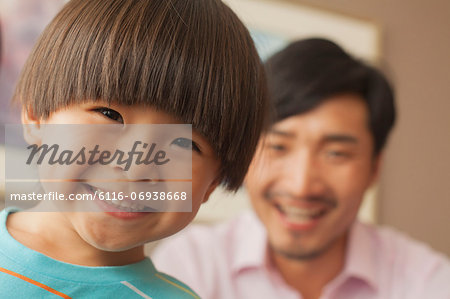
187,58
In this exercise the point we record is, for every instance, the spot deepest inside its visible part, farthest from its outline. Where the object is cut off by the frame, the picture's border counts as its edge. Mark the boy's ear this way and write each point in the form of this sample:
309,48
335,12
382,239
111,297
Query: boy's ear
31,126
210,190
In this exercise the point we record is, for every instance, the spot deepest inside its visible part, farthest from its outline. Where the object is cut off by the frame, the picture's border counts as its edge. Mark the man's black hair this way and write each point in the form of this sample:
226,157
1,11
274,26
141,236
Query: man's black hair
310,71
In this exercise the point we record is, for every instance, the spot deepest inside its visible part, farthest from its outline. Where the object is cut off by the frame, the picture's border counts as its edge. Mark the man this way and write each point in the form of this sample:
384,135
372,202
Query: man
306,183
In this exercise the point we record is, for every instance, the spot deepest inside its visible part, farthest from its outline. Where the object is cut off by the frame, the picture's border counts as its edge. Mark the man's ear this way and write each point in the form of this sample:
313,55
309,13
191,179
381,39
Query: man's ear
210,190
31,126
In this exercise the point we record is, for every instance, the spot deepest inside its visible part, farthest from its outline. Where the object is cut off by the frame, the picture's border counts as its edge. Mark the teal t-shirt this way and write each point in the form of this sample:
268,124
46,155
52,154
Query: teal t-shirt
25,273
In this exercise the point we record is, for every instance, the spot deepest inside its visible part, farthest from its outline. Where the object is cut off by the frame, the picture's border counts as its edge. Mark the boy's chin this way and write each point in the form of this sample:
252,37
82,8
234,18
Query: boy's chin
107,236
118,248
120,244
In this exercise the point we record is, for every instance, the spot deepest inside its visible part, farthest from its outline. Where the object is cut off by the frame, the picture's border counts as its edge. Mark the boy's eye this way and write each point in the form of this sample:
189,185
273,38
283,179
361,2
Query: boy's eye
277,147
110,113
185,143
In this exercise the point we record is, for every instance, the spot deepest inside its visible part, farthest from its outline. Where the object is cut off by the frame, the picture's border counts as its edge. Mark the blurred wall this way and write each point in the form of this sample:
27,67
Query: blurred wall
415,181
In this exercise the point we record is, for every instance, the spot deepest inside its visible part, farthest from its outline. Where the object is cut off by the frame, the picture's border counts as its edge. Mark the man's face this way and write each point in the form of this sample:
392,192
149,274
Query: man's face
309,176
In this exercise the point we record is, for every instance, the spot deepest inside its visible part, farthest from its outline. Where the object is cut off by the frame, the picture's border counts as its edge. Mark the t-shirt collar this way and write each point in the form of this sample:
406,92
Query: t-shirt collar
60,270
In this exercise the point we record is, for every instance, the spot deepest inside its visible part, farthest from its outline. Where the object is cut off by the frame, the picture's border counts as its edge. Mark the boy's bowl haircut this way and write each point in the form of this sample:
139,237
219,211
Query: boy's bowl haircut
192,59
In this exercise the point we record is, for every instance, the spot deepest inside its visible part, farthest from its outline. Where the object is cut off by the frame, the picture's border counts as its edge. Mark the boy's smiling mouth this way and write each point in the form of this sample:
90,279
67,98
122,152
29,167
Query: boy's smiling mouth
124,204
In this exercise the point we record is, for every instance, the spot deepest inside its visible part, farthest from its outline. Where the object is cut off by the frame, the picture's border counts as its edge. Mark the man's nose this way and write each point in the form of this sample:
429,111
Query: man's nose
302,175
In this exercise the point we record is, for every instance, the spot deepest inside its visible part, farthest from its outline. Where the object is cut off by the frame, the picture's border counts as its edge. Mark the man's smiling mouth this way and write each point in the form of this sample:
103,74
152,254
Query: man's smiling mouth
300,215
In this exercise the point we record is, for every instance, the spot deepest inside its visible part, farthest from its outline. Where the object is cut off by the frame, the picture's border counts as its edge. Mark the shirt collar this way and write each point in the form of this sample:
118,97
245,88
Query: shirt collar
250,250
361,257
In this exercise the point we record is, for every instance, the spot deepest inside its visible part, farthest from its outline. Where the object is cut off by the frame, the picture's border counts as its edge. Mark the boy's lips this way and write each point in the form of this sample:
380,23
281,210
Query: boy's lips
123,206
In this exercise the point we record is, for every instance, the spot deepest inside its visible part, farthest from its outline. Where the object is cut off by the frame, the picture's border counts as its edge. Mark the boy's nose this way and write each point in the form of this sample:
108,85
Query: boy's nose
130,169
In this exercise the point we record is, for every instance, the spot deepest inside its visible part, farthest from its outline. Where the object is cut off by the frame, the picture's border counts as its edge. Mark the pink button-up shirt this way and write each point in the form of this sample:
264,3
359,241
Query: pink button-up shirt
230,261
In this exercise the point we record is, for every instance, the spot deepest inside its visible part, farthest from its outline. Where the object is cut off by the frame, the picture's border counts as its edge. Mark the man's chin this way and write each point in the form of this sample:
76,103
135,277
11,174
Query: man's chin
299,254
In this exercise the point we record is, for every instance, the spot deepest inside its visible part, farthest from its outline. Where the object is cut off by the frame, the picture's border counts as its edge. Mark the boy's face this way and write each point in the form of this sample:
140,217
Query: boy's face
309,176
117,231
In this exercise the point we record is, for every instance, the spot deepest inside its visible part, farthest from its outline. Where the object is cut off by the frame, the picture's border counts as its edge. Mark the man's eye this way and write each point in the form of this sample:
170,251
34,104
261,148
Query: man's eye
111,114
337,154
185,143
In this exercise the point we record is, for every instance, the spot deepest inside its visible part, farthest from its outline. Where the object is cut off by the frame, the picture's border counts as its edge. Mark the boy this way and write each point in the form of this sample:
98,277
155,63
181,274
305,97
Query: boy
131,62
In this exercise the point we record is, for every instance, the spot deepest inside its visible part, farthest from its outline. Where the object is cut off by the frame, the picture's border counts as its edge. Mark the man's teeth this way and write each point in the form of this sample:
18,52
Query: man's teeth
297,214
125,205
